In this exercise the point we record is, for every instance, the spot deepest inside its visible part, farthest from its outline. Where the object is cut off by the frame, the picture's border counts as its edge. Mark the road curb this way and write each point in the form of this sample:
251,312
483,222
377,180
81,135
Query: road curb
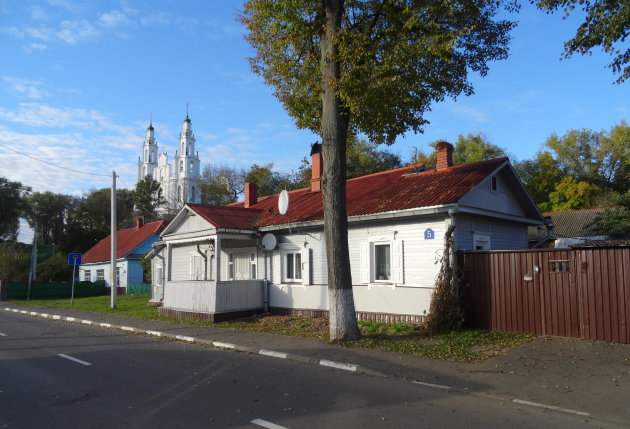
343,366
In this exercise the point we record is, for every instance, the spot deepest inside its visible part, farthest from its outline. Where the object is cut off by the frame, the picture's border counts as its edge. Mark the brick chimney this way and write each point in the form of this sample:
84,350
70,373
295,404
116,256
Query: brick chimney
251,196
139,223
317,167
444,155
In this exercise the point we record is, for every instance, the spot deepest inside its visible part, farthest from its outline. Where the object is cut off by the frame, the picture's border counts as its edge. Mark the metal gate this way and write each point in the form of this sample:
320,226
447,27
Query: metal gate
582,292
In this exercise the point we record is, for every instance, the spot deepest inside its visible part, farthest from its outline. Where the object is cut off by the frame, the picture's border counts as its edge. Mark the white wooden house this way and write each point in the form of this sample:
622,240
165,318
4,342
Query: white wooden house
209,261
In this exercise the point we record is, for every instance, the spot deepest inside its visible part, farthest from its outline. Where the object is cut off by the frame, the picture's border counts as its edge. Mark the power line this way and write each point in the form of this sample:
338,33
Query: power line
54,165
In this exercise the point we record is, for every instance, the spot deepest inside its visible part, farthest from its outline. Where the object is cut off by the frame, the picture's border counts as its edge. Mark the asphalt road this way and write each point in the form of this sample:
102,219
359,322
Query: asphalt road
62,375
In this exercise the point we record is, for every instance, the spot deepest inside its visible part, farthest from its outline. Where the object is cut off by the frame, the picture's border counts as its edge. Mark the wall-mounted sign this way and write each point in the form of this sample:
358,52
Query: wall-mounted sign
429,234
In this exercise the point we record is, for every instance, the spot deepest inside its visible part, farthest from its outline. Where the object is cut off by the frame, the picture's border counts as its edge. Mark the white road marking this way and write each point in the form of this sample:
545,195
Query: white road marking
266,424
338,365
70,319
550,407
271,353
82,362
156,333
223,345
105,325
185,338
86,322
2,335
33,313
127,328
439,386
56,317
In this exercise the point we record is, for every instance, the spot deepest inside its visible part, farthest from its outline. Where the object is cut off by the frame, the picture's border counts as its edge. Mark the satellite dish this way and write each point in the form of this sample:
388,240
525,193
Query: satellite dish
269,241
283,202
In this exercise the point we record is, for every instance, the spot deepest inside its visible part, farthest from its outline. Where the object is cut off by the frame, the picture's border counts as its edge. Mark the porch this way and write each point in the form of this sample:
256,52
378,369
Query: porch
199,297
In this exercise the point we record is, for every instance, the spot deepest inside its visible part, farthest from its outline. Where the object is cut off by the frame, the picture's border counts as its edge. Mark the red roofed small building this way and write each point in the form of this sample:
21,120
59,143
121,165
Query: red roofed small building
132,244
222,262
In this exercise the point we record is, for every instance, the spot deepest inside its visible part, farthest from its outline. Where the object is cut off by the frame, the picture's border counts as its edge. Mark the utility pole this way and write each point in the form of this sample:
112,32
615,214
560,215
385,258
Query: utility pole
114,255
32,275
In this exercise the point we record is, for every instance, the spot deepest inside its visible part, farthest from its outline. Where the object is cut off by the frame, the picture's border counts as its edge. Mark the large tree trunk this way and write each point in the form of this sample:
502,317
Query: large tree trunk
334,121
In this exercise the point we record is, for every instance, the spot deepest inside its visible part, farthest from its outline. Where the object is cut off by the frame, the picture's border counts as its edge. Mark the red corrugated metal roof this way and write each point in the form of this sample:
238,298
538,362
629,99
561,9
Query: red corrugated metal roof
229,217
387,191
127,240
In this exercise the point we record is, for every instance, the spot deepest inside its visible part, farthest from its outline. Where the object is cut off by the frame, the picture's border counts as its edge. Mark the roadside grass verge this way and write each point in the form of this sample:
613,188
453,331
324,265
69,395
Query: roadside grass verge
459,346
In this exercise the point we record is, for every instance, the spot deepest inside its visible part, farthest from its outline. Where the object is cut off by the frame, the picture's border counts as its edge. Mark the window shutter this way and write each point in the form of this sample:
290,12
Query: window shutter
277,274
398,262
306,266
365,263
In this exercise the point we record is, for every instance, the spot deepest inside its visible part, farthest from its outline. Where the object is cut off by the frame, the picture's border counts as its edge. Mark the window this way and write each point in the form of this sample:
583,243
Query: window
493,184
293,266
481,241
560,266
158,275
100,274
117,276
252,265
196,267
87,275
181,166
230,266
382,262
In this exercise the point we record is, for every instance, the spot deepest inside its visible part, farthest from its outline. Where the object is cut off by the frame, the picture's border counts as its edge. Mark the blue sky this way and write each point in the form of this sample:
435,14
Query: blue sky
79,80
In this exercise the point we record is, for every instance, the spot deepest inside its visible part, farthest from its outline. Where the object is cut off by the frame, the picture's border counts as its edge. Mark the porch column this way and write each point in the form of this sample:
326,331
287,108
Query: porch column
217,259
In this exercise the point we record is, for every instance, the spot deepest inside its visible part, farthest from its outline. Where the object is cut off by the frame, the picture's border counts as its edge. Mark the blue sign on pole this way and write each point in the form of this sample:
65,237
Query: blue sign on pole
74,258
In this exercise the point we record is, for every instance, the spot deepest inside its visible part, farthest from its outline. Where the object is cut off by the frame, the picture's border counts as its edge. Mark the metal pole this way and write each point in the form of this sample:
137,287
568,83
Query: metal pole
74,267
32,275
113,235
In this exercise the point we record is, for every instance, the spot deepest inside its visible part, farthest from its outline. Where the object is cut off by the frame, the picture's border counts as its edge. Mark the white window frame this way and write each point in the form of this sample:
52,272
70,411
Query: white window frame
368,262
373,262
100,275
253,266
484,241
87,275
231,265
297,268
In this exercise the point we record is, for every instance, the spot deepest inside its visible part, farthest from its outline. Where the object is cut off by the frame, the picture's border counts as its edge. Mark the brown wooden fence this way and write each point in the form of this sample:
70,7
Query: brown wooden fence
581,292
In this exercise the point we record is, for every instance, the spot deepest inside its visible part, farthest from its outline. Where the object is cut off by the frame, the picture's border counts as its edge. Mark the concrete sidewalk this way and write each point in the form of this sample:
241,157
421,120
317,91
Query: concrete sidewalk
575,375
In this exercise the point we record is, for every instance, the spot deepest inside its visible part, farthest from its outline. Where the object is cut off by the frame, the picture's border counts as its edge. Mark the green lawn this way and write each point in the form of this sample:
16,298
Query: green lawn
461,346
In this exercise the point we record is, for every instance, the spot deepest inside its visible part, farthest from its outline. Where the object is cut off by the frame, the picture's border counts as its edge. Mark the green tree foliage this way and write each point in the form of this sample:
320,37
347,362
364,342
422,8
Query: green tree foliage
614,222
47,213
371,67
55,268
146,197
14,261
540,176
606,25
12,204
363,157
467,149
89,221
571,195
269,182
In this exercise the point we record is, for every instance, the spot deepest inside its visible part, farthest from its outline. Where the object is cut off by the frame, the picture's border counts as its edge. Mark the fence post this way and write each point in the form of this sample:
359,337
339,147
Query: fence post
4,289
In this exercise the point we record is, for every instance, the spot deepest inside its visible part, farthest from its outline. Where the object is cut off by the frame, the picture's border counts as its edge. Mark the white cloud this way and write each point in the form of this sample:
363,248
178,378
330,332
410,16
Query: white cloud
38,13
469,112
113,19
26,88
43,115
35,47
156,18
73,32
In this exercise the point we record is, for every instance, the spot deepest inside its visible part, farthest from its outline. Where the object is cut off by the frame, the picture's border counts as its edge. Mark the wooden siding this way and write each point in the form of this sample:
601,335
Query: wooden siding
503,234
190,295
239,295
520,291
502,200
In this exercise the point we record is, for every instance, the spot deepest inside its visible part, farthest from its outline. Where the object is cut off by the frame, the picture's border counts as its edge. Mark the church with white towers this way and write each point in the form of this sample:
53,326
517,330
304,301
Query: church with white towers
178,181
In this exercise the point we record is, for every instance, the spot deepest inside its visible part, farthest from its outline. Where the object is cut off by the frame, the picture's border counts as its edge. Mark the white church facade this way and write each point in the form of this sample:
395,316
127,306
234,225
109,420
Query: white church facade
178,180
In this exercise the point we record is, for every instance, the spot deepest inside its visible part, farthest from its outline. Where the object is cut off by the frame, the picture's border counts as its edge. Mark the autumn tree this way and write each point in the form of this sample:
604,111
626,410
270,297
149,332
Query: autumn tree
606,25
221,185
370,67
614,222
47,212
